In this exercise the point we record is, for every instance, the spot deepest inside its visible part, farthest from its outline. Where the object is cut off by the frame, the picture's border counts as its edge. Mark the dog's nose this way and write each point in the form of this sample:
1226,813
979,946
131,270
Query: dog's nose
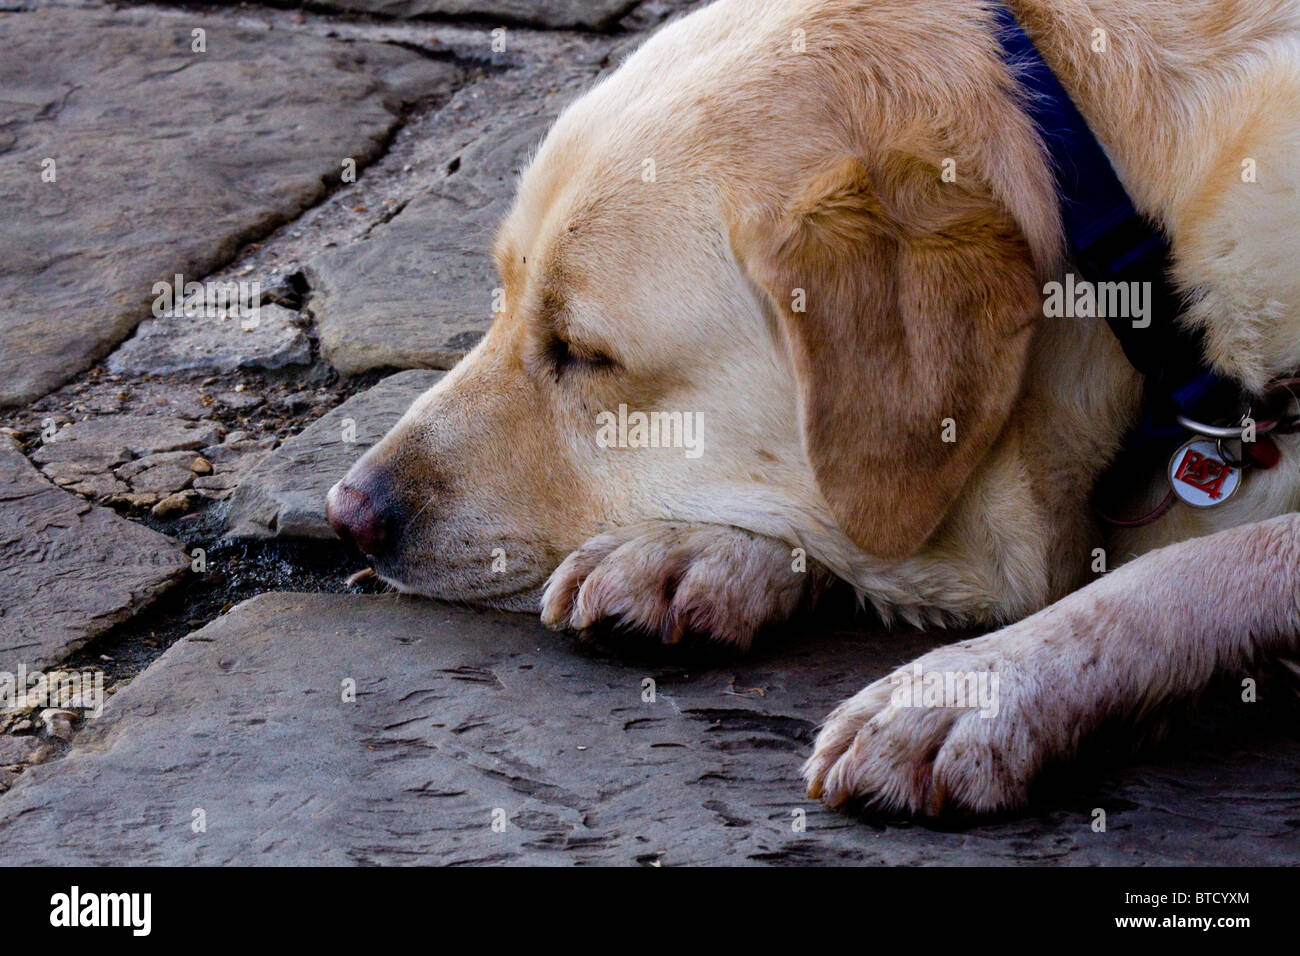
357,518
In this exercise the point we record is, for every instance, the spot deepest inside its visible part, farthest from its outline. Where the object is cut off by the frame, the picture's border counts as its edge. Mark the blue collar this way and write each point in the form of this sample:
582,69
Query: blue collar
1110,241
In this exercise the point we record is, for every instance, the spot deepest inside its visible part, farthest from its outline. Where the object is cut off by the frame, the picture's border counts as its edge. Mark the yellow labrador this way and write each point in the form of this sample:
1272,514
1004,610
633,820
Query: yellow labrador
749,319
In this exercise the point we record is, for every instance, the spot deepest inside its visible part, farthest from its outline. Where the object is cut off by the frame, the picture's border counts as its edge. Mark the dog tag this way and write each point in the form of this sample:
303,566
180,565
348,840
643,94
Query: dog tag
1200,476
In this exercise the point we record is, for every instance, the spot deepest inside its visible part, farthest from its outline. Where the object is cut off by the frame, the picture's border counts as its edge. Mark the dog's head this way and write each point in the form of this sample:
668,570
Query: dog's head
817,265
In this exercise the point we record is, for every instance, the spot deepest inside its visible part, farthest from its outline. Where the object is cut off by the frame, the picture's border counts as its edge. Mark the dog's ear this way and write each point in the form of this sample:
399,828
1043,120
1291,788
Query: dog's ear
908,304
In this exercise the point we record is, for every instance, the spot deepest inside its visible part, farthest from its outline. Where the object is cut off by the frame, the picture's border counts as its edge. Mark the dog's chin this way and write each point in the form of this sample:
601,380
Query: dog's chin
504,595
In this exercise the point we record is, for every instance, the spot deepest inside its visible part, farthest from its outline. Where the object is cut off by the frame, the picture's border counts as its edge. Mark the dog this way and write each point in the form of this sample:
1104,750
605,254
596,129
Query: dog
749,222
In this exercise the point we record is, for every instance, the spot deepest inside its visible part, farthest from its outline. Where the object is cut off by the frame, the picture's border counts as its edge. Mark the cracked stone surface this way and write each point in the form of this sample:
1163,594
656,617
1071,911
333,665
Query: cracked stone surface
214,345
102,439
416,291
252,131
68,570
587,14
132,460
284,493
130,444
592,14
459,714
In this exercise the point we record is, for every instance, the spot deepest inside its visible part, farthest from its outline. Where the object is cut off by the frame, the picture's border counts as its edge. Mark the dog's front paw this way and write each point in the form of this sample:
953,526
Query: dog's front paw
672,579
956,732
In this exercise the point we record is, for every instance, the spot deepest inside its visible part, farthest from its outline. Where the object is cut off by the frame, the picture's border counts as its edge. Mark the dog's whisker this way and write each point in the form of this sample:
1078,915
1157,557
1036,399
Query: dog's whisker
429,501
365,574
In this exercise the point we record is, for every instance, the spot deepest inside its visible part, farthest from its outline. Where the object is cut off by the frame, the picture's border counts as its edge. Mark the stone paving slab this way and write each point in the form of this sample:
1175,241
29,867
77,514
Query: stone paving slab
101,440
284,494
169,345
416,291
590,14
69,570
166,161
460,715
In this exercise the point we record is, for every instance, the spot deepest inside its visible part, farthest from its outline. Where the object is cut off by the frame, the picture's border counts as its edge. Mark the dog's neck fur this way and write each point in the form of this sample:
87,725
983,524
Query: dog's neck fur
1080,394
1163,155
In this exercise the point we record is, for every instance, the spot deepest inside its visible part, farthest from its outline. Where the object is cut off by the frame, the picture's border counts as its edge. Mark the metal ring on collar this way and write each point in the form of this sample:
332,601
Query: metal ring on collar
1209,431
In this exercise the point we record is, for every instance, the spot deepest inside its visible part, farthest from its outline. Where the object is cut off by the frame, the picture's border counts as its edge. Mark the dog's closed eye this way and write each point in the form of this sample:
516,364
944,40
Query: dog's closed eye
565,356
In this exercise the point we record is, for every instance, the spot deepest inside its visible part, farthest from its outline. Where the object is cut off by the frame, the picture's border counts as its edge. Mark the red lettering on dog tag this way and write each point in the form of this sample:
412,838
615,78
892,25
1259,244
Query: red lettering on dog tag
1200,476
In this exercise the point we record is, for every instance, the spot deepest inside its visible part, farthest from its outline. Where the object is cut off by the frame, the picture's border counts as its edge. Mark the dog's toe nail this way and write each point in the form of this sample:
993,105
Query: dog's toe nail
832,798
935,801
673,632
